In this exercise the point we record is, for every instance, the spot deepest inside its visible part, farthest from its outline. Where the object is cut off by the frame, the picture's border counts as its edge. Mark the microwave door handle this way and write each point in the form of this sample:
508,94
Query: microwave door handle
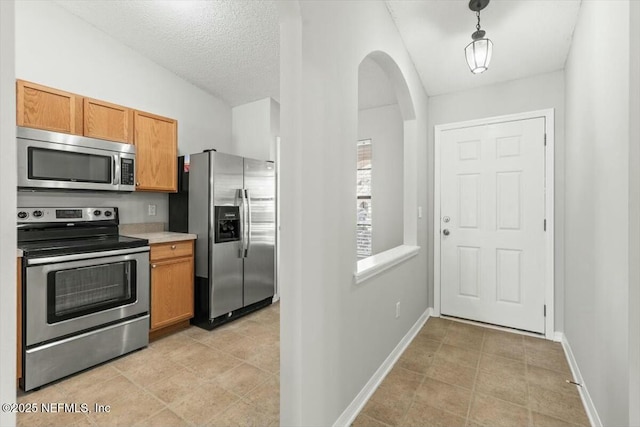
116,170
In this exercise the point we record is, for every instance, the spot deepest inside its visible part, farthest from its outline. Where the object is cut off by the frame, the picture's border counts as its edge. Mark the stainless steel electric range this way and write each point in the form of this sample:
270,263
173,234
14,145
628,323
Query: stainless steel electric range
85,291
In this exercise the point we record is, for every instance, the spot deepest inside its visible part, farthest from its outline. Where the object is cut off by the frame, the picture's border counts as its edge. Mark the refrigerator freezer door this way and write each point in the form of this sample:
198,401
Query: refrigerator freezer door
199,211
226,261
259,263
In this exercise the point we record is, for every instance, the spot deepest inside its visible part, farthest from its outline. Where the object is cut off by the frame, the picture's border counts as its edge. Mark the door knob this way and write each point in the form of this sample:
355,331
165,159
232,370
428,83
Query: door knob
445,232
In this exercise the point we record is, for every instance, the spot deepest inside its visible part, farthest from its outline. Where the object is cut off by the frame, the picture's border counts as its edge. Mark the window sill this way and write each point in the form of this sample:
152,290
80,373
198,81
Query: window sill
376,264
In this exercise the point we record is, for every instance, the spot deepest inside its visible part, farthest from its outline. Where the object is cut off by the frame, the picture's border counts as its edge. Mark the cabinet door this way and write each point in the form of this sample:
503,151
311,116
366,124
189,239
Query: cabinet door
156,152
46,108
107,121
171,291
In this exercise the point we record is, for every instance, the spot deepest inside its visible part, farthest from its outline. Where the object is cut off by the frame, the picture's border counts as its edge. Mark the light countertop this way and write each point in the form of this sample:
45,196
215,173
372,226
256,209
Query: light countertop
19,253
162,236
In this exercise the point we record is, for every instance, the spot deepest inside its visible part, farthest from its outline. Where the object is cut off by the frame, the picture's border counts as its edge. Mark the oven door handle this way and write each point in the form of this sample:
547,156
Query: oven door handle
76,257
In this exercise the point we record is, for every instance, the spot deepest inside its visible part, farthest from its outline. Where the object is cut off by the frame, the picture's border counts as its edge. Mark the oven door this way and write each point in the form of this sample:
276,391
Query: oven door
69,294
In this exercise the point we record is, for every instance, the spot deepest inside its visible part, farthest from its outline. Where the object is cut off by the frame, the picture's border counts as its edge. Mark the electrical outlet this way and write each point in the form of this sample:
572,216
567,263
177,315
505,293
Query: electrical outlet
397,309
152,210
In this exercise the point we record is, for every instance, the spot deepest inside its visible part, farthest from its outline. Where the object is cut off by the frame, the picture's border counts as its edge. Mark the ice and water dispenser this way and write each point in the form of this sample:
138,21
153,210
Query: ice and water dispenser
227,223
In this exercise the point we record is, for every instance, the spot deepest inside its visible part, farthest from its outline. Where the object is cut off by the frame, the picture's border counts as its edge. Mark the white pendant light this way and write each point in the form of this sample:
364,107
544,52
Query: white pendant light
478,52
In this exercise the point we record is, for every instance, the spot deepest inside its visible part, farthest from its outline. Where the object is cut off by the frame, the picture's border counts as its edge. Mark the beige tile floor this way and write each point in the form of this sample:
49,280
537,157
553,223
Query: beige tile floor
452,374
456,374
225,377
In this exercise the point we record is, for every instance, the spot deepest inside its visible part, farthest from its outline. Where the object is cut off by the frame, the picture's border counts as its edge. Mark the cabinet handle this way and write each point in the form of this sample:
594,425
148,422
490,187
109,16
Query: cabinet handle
153,266
173,246
137,183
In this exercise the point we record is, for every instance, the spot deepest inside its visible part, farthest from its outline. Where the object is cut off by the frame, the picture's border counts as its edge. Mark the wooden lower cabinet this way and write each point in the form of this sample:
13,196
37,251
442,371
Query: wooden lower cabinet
171,286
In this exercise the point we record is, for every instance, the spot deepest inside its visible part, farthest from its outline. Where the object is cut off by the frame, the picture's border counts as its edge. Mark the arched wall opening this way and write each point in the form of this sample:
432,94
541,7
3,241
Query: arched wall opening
386,185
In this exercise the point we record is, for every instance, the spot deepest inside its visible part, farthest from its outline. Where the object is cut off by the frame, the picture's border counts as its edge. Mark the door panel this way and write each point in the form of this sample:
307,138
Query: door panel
227,179
156,141
171,291
493,195
108,121
226,286
42,107
259,265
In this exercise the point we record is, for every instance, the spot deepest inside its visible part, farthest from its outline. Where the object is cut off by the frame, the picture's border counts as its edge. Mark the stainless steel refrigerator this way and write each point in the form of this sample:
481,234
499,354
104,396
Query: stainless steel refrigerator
230,203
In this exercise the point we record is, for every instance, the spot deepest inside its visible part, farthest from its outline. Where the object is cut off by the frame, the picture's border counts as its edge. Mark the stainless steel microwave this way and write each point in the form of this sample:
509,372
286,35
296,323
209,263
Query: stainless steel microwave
52,160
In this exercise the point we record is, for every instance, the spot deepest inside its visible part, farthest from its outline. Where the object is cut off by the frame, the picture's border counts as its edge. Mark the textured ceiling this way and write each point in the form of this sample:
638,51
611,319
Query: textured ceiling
529,37
230,48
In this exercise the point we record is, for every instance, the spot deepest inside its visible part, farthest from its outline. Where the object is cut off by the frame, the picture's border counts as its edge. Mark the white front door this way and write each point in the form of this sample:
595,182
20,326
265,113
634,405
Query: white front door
492,223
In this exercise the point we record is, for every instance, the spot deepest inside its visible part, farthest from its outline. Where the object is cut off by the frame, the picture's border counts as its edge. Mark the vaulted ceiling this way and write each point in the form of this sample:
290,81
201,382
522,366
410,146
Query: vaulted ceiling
230,48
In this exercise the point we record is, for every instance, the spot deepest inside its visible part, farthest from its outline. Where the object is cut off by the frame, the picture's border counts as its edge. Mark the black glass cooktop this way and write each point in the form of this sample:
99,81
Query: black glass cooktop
81,245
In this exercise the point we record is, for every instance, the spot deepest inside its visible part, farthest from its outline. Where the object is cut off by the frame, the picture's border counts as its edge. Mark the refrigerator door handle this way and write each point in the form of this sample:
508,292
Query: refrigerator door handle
243,200
248,199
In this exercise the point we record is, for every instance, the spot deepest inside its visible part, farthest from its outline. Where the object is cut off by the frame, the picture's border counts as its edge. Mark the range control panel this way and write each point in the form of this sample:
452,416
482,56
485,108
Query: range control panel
66,214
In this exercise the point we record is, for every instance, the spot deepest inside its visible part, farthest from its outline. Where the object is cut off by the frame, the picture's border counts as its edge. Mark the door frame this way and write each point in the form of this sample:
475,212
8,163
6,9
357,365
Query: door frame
548,115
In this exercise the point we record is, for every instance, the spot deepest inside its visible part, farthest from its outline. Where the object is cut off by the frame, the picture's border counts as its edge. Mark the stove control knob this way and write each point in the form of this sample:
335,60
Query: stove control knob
37,214
98,212
108,213
22,214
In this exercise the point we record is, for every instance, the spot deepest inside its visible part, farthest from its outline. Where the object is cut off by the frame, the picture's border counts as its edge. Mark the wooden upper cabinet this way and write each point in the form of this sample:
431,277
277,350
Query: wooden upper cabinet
108,121
42,107
155,137
156,141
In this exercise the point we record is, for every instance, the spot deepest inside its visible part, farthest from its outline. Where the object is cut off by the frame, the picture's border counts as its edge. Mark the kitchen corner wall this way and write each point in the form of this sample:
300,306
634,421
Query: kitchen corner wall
58,49
255,127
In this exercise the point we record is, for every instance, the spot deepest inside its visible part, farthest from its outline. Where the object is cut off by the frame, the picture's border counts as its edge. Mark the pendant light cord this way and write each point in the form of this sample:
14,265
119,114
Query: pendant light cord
478,24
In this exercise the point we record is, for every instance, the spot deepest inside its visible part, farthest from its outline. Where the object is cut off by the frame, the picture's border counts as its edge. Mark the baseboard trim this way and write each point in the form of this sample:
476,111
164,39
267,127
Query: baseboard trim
592,413
354,408
558,336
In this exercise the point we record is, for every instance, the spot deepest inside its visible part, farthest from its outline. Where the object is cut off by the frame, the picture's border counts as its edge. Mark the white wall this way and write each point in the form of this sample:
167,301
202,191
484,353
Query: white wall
56,48
634,216
252,129
7,213
597,204
534,93
334,333
383,125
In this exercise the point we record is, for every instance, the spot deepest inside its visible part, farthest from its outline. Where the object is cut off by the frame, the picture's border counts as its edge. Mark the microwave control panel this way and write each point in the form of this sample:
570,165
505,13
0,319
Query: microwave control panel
126,172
